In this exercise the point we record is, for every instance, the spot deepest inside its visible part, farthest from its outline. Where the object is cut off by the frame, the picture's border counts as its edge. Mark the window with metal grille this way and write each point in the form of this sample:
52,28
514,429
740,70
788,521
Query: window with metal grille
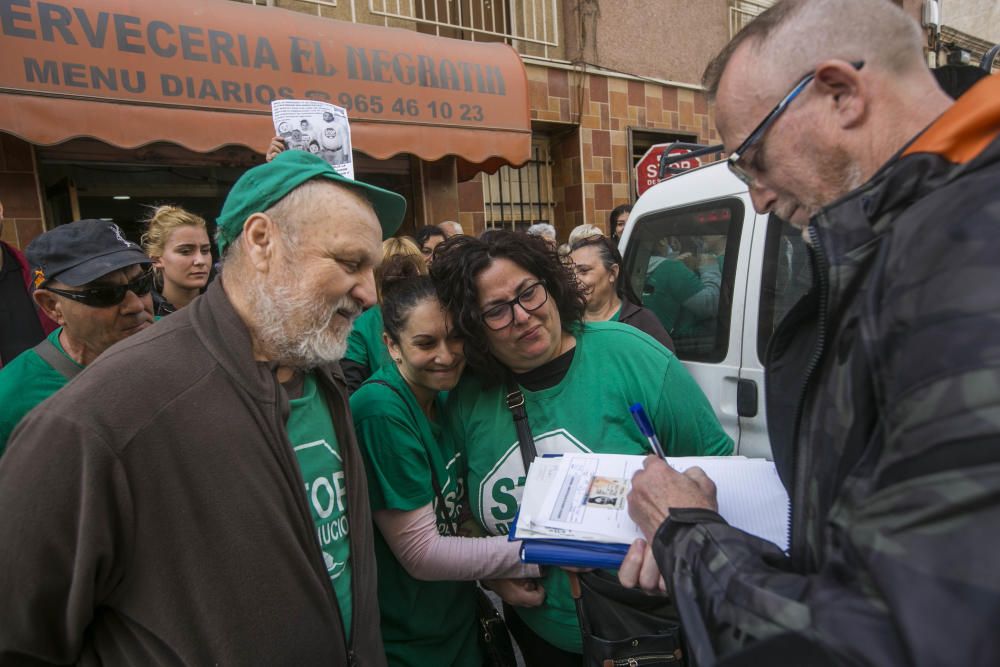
306,6
533,21
741,12
519,198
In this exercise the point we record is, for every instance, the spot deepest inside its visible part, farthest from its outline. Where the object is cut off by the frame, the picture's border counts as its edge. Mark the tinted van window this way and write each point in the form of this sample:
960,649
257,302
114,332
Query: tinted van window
683,263
786,277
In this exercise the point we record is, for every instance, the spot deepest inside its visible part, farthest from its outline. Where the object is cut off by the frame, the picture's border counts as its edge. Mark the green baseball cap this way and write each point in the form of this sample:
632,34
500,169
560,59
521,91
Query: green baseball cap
265,185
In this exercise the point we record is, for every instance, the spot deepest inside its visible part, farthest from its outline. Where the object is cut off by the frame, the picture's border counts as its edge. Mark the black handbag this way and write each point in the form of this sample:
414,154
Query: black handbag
494,637
620,626
624,626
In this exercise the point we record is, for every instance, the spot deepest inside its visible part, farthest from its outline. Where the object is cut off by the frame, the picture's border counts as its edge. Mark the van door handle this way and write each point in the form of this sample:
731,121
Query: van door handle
746,398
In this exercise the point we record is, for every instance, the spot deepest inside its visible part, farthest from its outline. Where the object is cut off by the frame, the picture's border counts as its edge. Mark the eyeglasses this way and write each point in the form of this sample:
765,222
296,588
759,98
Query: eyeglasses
758,133
531,298
112,295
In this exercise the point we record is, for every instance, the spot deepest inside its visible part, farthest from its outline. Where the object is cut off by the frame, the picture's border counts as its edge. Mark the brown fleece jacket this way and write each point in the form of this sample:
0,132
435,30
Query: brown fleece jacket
152,512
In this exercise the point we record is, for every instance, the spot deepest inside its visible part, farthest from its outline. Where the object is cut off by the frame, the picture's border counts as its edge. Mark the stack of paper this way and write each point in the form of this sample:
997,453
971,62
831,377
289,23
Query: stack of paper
574,510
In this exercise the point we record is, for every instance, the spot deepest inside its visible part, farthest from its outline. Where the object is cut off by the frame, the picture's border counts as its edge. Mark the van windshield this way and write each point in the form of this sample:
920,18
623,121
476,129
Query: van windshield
683,263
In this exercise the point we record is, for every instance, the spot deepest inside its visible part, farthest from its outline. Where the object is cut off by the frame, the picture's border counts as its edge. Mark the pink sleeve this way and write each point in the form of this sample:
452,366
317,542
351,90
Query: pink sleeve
430,556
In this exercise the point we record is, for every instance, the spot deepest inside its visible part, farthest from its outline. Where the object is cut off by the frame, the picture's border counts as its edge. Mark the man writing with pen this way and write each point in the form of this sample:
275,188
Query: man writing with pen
883,383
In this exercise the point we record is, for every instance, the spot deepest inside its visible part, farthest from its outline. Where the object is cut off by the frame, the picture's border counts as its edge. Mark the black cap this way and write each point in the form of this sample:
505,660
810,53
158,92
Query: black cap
82,251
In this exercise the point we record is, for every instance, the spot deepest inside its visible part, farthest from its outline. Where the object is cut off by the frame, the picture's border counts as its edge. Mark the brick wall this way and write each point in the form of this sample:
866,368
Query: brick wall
19,192
592,161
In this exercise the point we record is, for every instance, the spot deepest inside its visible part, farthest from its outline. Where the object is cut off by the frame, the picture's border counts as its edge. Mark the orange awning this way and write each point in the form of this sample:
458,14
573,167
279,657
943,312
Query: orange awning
202,74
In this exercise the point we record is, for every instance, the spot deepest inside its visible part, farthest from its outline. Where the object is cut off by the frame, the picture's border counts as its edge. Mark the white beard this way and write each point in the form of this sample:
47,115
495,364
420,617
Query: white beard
295,328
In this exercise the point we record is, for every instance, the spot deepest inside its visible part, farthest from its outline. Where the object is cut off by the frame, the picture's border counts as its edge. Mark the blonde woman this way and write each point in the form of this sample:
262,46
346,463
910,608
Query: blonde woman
581,232
366,351
177,242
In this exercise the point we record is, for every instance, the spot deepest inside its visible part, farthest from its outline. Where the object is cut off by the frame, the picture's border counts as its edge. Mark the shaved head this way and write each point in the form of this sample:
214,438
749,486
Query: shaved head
866,91
793,36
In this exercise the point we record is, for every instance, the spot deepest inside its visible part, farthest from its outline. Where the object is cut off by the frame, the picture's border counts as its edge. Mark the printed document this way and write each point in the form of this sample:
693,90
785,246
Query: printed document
585,497
318,127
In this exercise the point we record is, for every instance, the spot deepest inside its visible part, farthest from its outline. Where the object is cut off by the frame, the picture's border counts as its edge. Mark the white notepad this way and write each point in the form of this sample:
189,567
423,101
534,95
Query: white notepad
583,497
750,494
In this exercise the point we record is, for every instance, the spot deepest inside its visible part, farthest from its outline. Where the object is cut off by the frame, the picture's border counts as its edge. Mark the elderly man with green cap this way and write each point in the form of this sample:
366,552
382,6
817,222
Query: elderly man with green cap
197,495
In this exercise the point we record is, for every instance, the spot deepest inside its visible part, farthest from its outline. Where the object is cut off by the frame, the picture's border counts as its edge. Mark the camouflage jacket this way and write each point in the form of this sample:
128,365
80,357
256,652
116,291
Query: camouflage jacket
883,390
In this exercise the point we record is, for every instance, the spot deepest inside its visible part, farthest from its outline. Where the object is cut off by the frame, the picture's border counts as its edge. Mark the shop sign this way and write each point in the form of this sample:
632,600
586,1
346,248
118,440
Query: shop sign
227,56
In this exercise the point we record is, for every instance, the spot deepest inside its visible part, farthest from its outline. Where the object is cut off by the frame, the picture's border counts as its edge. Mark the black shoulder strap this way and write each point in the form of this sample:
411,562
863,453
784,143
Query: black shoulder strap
53,357
434,480
526,443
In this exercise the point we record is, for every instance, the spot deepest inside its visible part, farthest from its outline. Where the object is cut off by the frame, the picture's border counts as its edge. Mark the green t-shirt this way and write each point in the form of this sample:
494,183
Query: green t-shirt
423,622
24,383
669,285
364,343
310,430
614,366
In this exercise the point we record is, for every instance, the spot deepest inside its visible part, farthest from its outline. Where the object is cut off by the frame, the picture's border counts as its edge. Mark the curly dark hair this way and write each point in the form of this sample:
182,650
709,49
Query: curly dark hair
460,260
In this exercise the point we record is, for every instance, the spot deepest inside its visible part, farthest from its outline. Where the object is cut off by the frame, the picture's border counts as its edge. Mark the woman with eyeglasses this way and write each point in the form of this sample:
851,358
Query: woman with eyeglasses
428,238
177,242
426,572
609,295
520,313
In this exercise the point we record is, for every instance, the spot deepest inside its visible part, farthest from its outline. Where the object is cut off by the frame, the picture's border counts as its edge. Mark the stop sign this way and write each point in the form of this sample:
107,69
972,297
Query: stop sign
648,167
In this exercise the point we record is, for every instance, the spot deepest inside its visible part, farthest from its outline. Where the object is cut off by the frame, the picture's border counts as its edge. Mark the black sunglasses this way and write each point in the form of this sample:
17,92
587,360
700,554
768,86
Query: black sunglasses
112,295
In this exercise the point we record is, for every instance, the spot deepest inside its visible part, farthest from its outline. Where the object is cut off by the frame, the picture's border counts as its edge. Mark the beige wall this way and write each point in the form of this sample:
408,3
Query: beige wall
663,39
979,18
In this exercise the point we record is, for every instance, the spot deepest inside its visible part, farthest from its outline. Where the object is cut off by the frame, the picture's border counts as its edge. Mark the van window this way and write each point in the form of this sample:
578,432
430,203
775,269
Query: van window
683,263
785,277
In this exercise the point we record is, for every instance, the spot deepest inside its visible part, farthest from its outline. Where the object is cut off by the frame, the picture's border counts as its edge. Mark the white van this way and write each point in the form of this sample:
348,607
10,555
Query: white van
720,277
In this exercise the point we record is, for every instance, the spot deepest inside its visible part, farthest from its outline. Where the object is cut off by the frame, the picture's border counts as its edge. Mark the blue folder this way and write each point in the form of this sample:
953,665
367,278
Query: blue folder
573,553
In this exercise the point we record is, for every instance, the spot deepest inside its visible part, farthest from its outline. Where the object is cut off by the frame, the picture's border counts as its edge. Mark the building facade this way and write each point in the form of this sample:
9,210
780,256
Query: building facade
550,103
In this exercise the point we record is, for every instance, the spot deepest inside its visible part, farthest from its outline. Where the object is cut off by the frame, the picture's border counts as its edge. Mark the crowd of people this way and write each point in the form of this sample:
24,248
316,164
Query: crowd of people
313,451
305,312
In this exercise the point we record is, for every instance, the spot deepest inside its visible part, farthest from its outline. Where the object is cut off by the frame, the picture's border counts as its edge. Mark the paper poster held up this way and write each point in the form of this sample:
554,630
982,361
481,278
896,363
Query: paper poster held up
318,127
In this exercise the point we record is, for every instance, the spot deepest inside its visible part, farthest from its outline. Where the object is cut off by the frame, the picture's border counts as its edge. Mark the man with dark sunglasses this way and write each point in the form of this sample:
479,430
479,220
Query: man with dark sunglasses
95,284
883,382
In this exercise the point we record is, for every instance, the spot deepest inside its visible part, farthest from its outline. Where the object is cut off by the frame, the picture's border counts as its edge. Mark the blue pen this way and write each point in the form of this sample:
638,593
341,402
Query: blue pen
646,427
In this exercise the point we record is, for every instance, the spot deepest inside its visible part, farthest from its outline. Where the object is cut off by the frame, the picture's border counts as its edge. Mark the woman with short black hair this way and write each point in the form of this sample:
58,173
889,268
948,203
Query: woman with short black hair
519,311
428,238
